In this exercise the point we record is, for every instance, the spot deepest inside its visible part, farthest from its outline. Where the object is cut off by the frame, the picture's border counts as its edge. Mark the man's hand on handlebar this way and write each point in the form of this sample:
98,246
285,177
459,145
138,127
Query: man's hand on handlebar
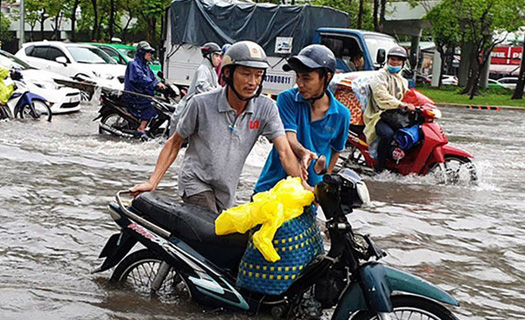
140,188
408,106
161,86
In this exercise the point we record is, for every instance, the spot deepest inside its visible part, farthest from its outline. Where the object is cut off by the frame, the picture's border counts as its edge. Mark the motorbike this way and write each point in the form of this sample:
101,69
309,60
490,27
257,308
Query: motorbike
183,258
116,119
430,155
24,104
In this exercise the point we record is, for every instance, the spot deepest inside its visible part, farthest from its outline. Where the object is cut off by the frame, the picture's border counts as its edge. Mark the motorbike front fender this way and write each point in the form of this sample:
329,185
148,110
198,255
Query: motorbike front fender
115,250
380,282
27,99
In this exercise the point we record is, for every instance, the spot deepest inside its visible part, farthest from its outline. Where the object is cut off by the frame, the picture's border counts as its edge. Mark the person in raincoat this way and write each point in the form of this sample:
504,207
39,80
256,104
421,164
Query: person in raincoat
139,78
221,127
5,90
205,79
388,89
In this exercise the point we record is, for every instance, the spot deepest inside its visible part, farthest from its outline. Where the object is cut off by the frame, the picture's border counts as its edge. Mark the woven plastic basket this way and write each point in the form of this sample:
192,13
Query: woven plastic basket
297,241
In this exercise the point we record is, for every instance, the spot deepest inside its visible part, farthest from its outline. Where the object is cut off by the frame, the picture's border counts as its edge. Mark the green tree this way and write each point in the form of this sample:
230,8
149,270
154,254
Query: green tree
5,35
479,20
445,30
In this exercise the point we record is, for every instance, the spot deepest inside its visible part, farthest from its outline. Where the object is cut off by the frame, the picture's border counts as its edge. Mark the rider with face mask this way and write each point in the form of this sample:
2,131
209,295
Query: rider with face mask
388,89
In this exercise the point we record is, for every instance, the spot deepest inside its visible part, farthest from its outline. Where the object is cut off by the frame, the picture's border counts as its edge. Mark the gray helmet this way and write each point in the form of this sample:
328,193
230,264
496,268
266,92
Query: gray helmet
245,53
145,46
397,51
210,48
314,56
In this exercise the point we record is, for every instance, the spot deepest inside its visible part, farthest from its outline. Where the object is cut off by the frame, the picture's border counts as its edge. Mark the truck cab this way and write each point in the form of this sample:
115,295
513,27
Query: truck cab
345,43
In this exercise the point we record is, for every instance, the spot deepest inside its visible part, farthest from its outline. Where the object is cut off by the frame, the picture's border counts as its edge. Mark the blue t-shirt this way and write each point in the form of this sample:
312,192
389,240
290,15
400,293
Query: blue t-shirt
320,136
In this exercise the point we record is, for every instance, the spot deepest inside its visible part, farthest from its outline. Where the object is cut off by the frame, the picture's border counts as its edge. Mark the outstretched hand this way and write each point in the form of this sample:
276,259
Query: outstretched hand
140,188
306,160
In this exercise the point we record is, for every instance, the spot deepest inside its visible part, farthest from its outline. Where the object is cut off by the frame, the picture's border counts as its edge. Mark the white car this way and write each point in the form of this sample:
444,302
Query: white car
448,80
61,99
74,60
509,82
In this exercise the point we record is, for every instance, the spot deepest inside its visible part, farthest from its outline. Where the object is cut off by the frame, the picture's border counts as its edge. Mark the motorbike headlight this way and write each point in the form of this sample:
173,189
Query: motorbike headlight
437,113
362,192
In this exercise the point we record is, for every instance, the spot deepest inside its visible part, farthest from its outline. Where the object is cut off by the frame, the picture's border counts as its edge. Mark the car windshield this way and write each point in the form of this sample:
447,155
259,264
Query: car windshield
130,53
90,55
9,61
376,42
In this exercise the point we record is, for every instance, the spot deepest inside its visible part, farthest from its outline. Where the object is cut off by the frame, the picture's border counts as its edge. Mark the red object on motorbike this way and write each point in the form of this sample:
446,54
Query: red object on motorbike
427,155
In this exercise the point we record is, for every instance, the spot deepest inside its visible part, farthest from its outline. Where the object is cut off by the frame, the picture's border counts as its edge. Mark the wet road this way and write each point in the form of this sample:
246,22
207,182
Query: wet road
58,178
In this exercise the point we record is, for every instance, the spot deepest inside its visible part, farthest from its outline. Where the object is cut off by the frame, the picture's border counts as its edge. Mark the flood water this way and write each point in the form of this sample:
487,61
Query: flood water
58,178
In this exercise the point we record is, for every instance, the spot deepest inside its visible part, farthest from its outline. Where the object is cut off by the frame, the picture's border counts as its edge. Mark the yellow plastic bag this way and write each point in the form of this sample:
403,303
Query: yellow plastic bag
5,90
285,201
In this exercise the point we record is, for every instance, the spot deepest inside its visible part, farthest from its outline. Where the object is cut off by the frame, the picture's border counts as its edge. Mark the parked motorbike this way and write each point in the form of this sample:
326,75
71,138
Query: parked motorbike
183,258
115,118
430,155
24,104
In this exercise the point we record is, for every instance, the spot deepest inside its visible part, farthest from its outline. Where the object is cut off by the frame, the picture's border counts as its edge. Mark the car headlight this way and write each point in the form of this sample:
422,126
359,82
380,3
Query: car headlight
106,76
50,85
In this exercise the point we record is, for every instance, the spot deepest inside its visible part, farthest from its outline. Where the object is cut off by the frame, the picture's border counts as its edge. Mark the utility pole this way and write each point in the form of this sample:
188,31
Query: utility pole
22,22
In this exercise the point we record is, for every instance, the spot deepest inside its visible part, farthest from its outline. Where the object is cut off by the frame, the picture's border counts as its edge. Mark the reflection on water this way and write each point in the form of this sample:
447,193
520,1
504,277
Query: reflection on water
58,178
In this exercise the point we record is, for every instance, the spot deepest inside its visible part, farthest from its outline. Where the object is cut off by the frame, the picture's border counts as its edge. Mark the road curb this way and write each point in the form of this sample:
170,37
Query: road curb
477,107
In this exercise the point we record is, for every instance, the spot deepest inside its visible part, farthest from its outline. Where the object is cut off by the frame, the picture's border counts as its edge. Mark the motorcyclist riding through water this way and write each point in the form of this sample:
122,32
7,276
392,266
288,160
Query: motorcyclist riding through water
139,78
388,89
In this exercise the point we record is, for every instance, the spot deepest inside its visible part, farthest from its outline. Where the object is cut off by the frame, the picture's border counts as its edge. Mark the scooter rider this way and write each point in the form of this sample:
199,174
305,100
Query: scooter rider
388,89
315,122
140,78
204,80
222,127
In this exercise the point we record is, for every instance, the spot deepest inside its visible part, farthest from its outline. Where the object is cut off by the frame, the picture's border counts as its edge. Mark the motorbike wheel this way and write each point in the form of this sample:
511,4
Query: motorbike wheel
85,96
138,270
456,170
352,158
41,111
411,308
117,125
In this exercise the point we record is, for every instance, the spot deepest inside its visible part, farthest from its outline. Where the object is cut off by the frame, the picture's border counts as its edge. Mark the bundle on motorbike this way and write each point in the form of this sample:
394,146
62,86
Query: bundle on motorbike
23,103
184,256
116,119
420,146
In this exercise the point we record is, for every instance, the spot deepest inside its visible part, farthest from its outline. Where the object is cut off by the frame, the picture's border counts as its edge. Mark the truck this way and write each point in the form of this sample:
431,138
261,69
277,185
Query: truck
282,30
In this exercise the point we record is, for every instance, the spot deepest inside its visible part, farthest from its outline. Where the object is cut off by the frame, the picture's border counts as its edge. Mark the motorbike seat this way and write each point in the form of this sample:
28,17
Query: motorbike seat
194,225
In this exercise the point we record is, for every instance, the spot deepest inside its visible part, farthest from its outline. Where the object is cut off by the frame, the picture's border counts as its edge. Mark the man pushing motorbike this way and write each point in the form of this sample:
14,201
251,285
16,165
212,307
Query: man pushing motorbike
222,127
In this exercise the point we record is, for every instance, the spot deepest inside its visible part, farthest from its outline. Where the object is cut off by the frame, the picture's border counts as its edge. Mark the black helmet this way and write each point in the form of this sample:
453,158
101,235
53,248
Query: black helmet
397,51
245,53
145,46
314,56
209,48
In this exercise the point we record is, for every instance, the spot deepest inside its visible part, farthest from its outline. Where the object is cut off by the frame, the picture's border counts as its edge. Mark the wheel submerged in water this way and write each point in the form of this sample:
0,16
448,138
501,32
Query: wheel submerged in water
114,124
411,308
138,270
40,110
456,170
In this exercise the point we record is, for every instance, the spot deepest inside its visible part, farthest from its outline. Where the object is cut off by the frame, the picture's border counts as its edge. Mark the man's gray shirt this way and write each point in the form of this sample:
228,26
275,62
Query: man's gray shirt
220,141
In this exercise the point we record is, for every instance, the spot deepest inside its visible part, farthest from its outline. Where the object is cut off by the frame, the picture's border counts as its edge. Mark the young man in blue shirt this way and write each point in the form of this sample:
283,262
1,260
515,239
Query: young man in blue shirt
314,121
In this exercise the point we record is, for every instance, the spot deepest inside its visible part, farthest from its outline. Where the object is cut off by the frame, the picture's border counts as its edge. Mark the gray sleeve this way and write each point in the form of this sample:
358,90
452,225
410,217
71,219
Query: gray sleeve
188,122
204,80
273,126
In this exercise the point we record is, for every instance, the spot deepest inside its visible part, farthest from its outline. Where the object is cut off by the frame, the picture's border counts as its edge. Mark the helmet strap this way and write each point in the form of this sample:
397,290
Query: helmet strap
229,83
325,87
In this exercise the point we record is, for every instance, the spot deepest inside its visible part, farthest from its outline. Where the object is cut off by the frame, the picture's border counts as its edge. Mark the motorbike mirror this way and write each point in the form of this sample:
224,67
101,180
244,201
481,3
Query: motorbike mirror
62,60
381,56
320,166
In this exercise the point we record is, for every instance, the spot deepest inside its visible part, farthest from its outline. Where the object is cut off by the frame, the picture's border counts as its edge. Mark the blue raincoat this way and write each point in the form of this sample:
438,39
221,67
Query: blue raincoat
140,78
